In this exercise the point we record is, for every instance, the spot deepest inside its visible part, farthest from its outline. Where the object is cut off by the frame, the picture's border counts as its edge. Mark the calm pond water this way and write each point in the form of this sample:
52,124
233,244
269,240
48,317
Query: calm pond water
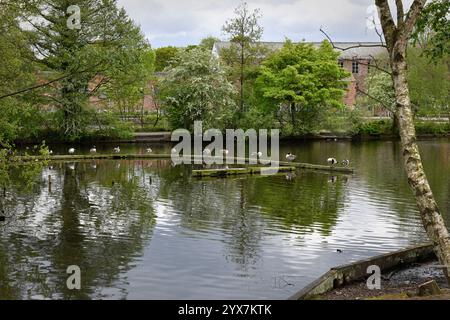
148,230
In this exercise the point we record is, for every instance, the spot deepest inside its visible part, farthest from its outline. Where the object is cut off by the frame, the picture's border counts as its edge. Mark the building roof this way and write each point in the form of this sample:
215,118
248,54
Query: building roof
368,50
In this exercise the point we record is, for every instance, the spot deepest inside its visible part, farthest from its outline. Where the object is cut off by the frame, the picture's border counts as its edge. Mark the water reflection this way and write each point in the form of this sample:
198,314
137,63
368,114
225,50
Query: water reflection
147,229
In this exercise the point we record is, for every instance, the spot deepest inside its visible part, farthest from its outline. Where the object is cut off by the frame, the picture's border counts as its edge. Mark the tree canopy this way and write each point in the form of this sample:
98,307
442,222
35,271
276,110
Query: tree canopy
197,89
304,82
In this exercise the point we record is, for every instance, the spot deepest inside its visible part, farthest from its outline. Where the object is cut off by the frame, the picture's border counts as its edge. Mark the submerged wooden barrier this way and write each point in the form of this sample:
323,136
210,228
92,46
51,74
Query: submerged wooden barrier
346,274
168,156
241,171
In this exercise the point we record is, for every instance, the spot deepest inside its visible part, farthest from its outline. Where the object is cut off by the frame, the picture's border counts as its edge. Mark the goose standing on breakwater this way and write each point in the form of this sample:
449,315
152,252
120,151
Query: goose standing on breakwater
71,150
117,150
207,152
149,150
93,150
332,161
290,157
345,162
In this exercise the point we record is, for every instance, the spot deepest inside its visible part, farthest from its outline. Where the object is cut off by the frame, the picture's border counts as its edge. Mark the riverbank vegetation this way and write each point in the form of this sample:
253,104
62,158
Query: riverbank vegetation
94,83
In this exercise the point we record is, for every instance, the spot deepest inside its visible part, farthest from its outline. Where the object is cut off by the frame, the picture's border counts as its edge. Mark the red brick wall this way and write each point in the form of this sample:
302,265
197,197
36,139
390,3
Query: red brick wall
358,79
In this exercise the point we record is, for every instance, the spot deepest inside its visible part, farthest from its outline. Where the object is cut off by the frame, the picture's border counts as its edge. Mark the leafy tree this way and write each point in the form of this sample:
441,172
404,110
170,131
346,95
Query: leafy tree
16,73
428,82
197,89
106,40
244,32
433,27
164,57
303,82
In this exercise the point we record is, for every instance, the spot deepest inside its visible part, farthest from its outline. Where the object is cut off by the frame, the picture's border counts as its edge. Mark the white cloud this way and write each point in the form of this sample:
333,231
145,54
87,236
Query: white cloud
180,23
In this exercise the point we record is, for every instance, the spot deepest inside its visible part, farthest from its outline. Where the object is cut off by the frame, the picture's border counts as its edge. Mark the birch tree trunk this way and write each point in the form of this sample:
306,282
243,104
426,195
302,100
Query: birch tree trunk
397,36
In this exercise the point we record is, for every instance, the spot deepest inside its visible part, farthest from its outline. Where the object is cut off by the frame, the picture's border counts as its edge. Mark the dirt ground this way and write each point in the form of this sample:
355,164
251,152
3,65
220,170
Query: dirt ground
401,284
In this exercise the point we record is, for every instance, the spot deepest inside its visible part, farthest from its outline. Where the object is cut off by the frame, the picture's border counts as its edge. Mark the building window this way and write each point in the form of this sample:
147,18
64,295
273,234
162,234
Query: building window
355,67
341,63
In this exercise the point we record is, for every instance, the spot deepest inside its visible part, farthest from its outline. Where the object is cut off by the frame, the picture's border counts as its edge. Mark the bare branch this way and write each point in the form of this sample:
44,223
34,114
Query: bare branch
375,99
359,45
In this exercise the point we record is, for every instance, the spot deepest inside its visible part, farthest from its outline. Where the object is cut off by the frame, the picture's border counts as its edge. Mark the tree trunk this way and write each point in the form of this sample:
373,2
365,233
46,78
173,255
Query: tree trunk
432,219
241,79
293,115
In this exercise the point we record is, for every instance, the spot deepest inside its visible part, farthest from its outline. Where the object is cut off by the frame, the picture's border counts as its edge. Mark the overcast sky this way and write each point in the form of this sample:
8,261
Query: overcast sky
184,22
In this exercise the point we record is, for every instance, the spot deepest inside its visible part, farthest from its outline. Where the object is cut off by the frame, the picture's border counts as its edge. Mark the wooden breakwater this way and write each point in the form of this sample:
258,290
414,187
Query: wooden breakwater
309,166
241,171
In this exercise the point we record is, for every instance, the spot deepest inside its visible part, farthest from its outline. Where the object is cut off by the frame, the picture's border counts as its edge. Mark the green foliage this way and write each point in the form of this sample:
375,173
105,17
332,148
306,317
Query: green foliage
375,128
197,89
380,89
165,57
303,83
208,42
433,28
25,173
429,83
108,44
433,128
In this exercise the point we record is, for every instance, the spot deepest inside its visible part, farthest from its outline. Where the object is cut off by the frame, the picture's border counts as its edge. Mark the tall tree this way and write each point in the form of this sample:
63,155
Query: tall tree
397,36
77,41
244,31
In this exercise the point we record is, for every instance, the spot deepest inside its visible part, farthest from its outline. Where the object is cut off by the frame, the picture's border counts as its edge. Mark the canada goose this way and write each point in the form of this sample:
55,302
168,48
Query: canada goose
290,157
332,161
93,150
149,150
71,150
117,150
345,162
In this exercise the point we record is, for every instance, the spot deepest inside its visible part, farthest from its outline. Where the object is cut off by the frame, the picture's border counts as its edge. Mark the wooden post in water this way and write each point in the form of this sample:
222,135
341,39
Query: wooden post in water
49,183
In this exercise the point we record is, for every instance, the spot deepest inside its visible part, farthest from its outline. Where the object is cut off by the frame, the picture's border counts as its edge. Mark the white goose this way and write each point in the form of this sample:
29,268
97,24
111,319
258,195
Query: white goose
71,150
117,150
93,150
290,157
149,150
345,162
